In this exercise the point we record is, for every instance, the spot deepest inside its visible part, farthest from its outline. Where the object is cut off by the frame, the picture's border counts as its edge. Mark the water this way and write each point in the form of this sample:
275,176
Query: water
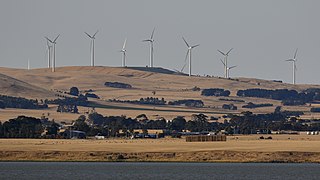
100,170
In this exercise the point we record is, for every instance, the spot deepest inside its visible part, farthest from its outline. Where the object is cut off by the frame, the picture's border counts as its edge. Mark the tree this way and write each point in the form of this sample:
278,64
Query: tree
53,128
23,127
2,105
81,125
96,118
178,123
74,91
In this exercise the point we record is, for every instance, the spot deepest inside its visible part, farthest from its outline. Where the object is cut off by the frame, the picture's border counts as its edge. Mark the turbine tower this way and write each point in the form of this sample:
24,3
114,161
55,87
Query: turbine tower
189,53
92,46
228,68
123,50
151,40
294,67
54,42
49,53
225,61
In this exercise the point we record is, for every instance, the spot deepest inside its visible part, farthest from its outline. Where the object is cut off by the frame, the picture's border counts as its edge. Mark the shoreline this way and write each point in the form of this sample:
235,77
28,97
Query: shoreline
182,157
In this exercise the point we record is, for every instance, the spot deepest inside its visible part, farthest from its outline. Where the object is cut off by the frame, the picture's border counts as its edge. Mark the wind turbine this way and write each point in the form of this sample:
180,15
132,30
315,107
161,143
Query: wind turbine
228,68
225,61
123,50
151,40
28,64
92,46
189,54
54,42
294,67
49,53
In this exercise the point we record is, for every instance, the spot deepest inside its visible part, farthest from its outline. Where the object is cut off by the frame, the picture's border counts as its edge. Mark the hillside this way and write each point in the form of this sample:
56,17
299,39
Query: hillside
166,84
14,87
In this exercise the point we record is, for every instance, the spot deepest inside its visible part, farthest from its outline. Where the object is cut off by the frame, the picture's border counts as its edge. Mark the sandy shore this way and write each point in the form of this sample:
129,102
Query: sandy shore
282,148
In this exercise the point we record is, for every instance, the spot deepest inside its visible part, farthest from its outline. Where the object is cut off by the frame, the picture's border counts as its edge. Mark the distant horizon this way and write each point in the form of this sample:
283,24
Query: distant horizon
130,67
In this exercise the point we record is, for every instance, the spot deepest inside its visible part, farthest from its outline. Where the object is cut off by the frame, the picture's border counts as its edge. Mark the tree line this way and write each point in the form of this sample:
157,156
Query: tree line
115,126
288,97
21,103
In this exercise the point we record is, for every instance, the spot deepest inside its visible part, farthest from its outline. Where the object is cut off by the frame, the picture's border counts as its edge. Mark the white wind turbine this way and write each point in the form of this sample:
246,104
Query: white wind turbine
49,53
151,40
189,54
123,50
228,68
92,46
54,42
294,67
225,61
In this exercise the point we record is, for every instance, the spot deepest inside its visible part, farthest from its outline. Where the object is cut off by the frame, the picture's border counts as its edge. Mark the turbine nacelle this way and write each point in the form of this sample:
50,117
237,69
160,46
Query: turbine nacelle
92,37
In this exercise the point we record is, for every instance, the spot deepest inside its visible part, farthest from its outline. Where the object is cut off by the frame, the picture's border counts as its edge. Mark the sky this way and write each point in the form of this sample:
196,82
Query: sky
263,33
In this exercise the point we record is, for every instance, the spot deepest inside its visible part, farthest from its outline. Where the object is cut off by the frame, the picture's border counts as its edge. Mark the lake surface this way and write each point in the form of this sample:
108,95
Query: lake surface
101,170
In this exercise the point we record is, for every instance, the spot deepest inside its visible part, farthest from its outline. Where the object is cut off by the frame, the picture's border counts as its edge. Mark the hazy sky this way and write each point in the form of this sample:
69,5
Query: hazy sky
262,33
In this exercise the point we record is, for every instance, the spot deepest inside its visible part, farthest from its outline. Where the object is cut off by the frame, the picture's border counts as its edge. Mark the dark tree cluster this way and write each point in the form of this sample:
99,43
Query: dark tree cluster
20,103
79,101
187,102
229,106
251,105
91,95
118,85
74,91
147,100
215,92
70,108
288,97
314,109
22,127
233,100
249,123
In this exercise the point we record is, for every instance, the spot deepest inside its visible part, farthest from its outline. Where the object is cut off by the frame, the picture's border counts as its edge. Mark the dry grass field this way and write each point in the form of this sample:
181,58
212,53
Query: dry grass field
43,84
287,148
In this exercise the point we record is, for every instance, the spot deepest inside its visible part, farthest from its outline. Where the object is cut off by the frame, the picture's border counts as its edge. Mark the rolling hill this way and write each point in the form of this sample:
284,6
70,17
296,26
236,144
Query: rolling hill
167,84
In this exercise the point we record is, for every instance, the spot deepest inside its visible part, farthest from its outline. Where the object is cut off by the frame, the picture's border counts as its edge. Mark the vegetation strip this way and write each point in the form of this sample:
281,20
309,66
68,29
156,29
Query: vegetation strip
207,156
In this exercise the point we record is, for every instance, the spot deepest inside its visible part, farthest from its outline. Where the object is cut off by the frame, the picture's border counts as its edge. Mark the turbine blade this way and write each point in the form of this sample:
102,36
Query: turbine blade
48,44
146,40
222,62
49,39
221,52
56,38
183,67
290,60
124,44
88,35
185,60
232,67
185,42
195,46
229,51
295,54
152,33
95,34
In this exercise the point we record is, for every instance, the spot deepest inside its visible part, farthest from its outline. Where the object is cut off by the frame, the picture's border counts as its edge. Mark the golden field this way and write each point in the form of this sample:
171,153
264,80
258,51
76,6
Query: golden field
281,148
